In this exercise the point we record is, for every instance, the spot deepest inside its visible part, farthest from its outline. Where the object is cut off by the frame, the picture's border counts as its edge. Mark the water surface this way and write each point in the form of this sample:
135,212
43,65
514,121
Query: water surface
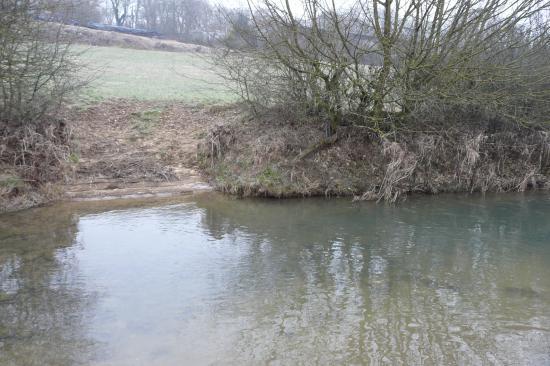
211,280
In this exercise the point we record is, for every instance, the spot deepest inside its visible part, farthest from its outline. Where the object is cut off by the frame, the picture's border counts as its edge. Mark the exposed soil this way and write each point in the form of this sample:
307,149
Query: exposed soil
129,148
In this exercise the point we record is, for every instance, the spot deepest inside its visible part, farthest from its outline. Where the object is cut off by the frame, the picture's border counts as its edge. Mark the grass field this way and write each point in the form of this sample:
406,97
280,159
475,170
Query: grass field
150,75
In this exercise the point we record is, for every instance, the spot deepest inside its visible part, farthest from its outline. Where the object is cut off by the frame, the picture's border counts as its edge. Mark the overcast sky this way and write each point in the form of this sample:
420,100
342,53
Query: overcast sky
296,4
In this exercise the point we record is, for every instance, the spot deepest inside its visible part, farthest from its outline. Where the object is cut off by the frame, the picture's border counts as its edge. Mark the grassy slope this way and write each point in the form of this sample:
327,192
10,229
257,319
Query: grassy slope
150,75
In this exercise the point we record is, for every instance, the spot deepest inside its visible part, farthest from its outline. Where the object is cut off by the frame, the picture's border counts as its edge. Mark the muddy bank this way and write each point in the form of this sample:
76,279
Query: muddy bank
275,156
122,149
128,148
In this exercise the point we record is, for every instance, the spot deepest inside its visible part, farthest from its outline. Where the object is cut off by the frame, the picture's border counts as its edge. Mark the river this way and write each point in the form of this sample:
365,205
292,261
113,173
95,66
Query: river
213,280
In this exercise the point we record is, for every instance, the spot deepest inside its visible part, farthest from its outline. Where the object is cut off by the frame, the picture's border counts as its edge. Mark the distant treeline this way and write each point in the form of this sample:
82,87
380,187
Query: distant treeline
184,20
100,26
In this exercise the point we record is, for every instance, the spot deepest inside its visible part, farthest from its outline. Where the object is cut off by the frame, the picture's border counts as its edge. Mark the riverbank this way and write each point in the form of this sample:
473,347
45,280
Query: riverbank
277,156
122,149
136,149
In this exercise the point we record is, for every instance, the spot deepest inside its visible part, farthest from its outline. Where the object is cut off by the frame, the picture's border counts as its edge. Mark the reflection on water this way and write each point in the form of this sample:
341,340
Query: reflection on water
211,280
41,300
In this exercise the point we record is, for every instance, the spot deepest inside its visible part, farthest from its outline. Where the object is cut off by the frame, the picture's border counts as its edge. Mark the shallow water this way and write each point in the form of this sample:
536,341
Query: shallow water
208,279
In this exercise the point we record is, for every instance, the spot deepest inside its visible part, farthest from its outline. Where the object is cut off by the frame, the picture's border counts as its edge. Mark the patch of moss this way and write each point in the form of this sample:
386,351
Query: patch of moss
269,177
10,182
4,296
73,158
144,122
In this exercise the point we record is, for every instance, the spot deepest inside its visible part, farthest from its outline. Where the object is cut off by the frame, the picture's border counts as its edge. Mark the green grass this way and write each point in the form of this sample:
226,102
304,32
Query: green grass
11,182
270,177
150,75
144,122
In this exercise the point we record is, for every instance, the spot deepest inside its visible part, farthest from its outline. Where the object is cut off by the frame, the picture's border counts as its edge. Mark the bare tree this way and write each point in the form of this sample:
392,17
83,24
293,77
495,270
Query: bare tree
120,10
80,11
381,62
179,19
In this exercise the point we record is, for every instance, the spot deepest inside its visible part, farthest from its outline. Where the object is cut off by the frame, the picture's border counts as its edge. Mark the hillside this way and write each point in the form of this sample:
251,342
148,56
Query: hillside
95,37
149,75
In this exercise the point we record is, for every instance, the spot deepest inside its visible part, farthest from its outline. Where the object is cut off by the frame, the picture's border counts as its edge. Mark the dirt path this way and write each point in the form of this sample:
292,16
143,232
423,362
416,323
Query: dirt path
137,149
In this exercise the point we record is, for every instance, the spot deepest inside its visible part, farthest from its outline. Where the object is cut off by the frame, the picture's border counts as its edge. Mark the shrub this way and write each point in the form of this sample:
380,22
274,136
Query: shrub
386,63
36,75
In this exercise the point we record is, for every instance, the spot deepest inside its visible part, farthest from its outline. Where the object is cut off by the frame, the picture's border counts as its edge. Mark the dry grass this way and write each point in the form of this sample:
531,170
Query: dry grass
32,158
276,158
402,164
510,160
36,151
16,193
272,157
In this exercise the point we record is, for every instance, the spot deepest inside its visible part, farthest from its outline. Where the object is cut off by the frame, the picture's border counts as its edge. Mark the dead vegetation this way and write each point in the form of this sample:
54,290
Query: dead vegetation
37,73
31,158
122,146
286,158
464,162
36,150
388,98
